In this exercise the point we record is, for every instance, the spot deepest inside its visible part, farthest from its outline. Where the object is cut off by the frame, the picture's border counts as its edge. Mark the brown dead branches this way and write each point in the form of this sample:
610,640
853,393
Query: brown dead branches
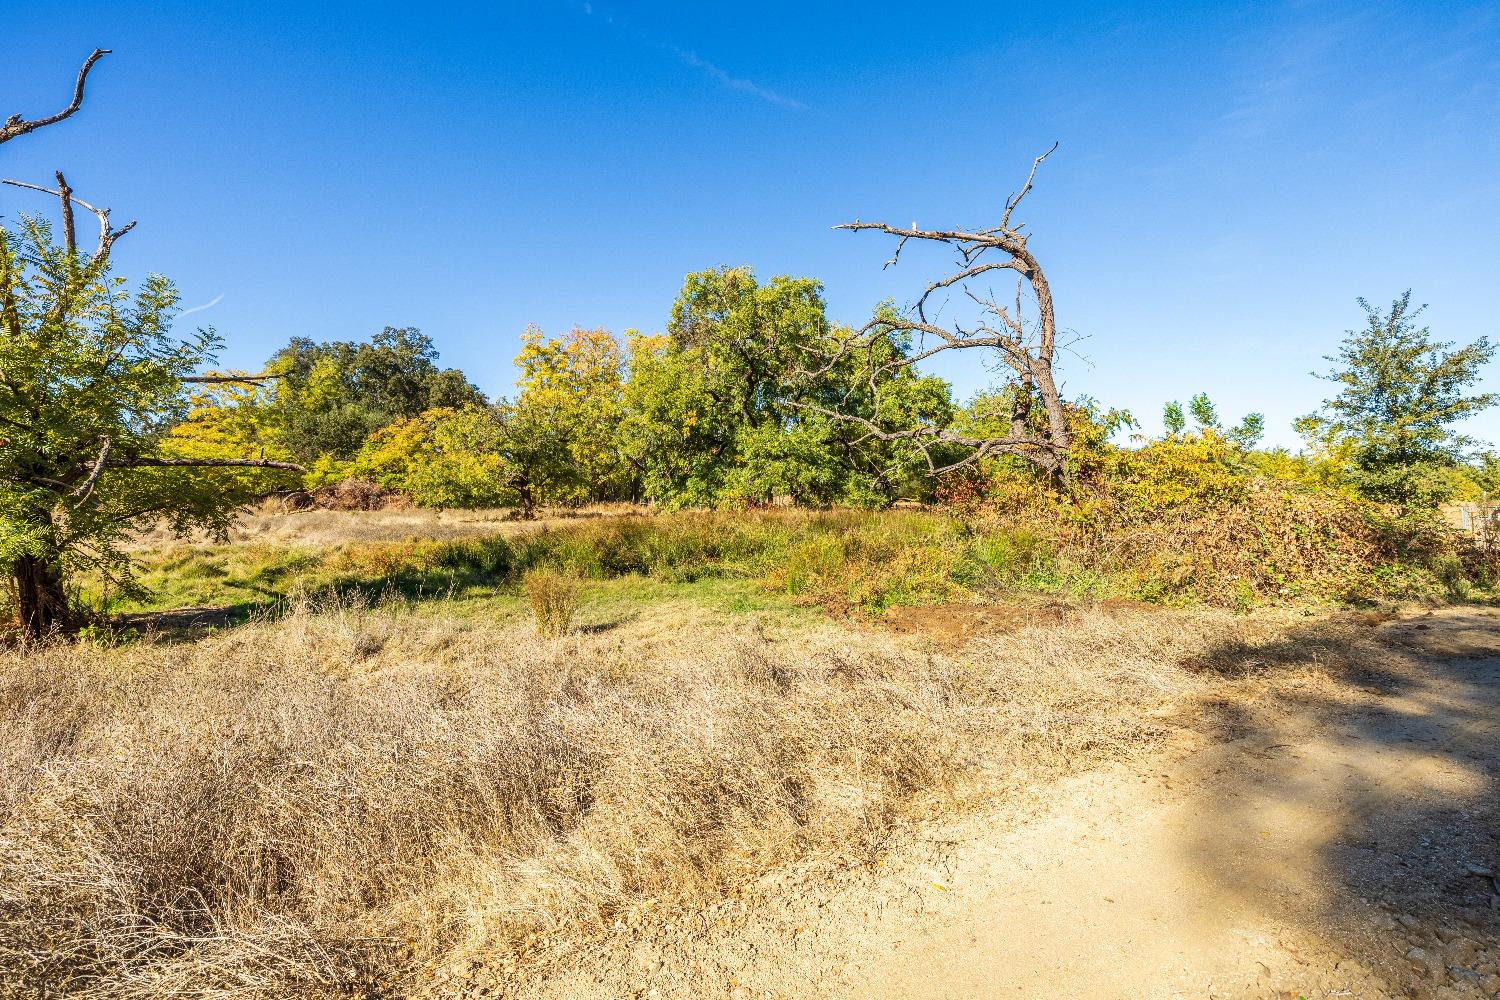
1037,418
16,126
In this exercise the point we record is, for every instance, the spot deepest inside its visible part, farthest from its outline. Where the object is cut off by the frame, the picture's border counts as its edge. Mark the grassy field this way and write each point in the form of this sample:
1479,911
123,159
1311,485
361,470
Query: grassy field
355,765
843,563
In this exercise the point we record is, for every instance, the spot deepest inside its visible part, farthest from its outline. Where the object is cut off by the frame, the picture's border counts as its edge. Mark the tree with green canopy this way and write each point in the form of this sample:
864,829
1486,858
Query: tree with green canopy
721,409
505,454
1400,394
91,381
1244,435
331,396
573,387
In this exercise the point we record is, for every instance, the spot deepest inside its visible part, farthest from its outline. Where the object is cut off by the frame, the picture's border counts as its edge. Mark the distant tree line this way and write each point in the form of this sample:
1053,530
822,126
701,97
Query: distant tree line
751,396
719,409
722,409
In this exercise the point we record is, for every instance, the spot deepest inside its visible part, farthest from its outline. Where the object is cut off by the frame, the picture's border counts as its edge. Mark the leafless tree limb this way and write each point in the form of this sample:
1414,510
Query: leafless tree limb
16,126
925,437
86,489
200,463
231,379
1026,348
70,231
107,233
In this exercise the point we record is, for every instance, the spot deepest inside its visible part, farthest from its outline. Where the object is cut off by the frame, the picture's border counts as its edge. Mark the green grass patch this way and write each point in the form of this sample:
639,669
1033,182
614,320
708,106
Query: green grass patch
843,562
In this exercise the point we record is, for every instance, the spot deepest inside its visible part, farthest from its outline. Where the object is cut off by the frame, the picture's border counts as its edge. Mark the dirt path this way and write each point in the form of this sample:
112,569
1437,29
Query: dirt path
1338,847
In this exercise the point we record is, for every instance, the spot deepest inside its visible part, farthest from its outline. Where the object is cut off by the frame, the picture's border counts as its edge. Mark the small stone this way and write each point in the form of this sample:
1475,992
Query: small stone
1460,951
1423,961
1407,920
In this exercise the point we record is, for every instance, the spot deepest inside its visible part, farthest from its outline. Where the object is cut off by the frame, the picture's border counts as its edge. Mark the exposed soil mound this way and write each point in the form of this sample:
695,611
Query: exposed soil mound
347,494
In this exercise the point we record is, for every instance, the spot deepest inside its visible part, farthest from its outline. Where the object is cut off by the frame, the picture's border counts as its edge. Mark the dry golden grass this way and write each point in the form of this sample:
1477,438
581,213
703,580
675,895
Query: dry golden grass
553,596
345,801
271,524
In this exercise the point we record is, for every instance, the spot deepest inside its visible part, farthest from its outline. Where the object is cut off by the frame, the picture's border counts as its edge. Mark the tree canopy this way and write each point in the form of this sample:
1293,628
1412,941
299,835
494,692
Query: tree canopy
1400,394
723,407
331,396
92,380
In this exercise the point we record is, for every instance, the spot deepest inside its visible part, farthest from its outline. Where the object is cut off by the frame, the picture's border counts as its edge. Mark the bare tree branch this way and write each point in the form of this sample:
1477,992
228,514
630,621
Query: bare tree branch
1015,199
1024,347
231,379
70,231
200,463
16,126
107,234
86,490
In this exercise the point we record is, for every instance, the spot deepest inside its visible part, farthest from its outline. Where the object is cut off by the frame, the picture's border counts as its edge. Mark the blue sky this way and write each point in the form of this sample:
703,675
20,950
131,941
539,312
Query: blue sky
1230,176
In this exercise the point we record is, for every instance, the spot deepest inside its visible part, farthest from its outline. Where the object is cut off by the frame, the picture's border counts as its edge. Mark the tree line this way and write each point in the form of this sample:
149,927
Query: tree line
750,396
719,409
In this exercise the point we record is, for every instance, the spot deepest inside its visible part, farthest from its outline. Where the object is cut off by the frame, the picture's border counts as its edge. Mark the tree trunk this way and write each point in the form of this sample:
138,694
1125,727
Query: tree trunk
528,502
41,602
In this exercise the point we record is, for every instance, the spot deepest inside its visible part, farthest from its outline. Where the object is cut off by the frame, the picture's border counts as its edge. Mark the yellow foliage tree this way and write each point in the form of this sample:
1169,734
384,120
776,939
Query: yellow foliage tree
573,389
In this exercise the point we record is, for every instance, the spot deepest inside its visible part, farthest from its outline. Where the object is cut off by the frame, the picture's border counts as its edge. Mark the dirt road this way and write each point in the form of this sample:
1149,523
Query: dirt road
1335,842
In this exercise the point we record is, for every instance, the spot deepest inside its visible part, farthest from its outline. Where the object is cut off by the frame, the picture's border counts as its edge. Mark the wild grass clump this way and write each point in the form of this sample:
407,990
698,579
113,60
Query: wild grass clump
344,800
553,597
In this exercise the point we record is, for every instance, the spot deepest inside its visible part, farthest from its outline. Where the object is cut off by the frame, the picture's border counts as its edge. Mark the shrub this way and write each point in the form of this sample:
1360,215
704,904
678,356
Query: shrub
553,597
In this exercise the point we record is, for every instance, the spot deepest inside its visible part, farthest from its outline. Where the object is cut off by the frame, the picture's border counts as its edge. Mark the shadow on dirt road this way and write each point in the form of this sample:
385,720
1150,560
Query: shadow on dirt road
1354,828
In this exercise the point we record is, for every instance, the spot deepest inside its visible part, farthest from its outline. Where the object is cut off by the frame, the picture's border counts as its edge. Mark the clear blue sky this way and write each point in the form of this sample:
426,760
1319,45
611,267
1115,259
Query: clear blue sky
1231,176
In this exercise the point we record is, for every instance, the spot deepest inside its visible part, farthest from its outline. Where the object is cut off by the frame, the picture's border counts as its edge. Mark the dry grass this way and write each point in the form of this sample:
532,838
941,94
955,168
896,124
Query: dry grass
343,801
553,597
271,523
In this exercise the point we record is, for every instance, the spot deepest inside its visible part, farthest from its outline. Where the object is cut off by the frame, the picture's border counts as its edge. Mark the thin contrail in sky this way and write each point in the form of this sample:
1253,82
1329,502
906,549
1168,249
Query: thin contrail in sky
207,305
690,58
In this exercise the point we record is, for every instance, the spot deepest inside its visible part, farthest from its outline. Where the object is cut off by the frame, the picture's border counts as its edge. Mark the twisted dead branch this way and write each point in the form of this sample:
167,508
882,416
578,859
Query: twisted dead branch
16,126
1038,419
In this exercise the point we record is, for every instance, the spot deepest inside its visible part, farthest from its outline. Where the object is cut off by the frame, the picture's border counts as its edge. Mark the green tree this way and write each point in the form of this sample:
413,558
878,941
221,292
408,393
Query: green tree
1248,432
91,382
534,442
1173,418
576,383
477,456
1244,435
1205,413
1400,394
226,419
723,409
725,370
331,396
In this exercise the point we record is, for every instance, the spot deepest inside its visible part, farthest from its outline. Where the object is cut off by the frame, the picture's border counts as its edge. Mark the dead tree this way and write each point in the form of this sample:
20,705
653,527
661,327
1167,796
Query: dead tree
1038,419
69,201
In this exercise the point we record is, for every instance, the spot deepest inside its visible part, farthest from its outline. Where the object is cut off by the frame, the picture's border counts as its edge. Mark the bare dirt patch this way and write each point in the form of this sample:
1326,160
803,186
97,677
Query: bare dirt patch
1340,839
951,626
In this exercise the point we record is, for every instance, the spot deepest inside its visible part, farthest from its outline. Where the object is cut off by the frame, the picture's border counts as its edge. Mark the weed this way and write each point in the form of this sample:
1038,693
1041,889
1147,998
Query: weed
553,596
